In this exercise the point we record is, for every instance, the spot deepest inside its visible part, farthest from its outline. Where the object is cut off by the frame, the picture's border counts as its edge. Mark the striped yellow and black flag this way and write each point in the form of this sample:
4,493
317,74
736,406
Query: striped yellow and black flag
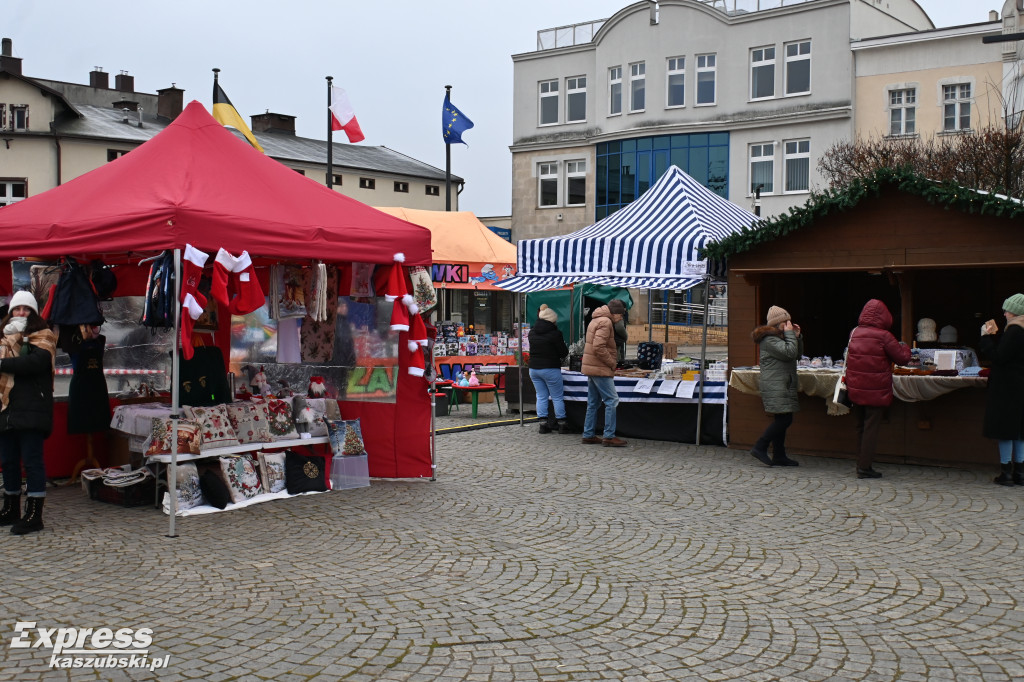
226,114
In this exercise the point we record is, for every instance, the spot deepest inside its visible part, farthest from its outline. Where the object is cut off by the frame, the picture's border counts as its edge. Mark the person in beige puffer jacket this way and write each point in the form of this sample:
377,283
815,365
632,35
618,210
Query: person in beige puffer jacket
600,356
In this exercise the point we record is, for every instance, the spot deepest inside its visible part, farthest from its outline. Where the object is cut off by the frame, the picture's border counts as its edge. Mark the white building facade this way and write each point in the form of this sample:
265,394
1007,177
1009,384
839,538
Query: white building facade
745,96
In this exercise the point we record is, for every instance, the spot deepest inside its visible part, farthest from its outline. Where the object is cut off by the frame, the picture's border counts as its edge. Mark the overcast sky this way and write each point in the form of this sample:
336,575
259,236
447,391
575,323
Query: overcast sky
394,59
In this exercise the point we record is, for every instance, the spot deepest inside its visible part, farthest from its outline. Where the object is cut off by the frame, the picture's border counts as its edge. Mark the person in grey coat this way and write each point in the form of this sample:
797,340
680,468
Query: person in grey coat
781,346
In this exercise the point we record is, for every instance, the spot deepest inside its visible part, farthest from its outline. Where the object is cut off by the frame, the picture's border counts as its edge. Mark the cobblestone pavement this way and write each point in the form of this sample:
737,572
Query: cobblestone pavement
538,558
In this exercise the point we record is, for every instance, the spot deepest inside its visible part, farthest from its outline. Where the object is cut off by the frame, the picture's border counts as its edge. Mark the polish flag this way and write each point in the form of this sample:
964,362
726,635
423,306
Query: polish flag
343,117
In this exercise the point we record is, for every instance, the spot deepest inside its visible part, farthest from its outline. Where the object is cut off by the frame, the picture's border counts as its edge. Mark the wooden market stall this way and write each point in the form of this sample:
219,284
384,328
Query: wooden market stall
928,250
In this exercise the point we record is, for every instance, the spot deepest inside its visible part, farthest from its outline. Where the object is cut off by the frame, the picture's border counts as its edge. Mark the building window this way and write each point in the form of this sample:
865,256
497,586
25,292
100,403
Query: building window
115,154
576,99
336,180
762,72
798,68
402,187
675,83
902,111
12,191
575,183
637,86
299,171
547,173
615,90
797,163
762,167
19,117
706,68
625,168
956,112
367,183
433,190
3,117
548,103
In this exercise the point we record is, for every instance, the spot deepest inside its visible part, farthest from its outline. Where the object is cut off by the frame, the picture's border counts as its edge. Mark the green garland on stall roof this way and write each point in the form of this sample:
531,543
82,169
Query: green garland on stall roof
840,199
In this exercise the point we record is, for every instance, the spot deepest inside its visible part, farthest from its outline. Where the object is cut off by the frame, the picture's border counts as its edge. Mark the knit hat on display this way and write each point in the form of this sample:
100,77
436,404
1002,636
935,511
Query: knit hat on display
616,307
1013,305
547,313
948,334
777,316
27,299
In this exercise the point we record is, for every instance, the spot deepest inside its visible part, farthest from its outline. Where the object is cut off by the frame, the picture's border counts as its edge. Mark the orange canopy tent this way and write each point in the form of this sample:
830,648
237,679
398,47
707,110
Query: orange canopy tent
466,255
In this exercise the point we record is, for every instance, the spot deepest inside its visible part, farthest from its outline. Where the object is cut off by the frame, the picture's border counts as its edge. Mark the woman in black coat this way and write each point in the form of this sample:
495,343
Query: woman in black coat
547,348
27,351
1004,408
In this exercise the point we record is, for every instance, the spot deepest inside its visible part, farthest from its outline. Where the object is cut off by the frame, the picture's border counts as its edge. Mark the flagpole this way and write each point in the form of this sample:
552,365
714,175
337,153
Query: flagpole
330,137
447,161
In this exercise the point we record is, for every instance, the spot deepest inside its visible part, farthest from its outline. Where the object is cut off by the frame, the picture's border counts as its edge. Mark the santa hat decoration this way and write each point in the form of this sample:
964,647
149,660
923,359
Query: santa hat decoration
317,388
417,330
417,367
395,286
193,302
400,315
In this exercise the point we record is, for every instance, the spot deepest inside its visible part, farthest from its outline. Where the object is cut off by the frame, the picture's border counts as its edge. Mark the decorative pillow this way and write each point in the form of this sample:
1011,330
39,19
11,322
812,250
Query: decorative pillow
189,437
251,422
304,474
308,417
346,437
331,410
215,490
241,476
214,424
282,426
272,471
189,492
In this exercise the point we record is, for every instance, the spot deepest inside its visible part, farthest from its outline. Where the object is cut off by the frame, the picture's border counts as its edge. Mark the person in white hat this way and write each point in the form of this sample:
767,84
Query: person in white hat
27,352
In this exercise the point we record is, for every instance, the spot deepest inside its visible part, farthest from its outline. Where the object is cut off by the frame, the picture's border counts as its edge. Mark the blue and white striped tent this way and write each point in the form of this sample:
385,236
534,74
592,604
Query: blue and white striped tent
653,243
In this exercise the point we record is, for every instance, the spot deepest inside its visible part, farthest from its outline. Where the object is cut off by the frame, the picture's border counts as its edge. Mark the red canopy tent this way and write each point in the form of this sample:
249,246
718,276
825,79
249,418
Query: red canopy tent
196,183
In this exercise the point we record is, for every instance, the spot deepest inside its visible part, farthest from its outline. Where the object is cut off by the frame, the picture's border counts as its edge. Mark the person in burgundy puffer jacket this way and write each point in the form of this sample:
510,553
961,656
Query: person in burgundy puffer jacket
872,351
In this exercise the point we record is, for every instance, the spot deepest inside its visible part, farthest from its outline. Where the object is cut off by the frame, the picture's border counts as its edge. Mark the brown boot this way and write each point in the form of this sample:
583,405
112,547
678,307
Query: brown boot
614,442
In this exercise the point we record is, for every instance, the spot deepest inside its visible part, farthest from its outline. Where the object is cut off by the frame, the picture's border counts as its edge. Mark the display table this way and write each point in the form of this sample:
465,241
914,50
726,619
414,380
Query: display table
653,415
822,383
475,391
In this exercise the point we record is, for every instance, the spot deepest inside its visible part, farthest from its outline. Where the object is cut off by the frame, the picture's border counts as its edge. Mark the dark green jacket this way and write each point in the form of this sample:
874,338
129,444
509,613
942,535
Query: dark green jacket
779,354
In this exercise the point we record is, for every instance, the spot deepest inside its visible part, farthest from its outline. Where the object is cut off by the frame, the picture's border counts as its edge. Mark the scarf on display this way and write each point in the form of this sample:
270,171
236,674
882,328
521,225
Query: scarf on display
10,347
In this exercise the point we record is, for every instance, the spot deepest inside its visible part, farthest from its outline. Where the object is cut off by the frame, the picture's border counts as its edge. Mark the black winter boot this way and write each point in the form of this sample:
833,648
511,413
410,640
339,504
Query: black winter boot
33,520
11,513
1018,473
564,426
545,426
779,459
1006,475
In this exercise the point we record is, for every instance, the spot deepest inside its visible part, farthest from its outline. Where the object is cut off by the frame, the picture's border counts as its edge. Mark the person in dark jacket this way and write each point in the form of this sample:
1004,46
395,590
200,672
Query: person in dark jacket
547,348
1004,407
27,352
872,351
780,347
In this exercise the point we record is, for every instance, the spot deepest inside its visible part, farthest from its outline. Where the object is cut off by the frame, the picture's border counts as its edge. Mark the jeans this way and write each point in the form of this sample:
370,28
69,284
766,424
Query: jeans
23,447
775,434
1011,447
548,384
600,389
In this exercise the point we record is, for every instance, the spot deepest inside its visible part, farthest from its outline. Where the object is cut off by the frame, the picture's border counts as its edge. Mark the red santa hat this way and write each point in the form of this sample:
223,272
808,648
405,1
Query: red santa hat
400,314
417,367
417,330
395,286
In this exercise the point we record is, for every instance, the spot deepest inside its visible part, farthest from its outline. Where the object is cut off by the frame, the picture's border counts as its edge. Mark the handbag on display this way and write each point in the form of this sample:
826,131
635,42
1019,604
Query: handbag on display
74,301
648,354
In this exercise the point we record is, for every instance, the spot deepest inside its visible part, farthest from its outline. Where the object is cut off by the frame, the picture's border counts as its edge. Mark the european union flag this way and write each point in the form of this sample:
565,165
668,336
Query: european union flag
453,123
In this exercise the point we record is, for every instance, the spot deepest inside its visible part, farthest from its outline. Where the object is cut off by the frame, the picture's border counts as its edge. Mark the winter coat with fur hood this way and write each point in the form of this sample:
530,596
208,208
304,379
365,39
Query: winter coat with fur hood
873,349
780,351
599,354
